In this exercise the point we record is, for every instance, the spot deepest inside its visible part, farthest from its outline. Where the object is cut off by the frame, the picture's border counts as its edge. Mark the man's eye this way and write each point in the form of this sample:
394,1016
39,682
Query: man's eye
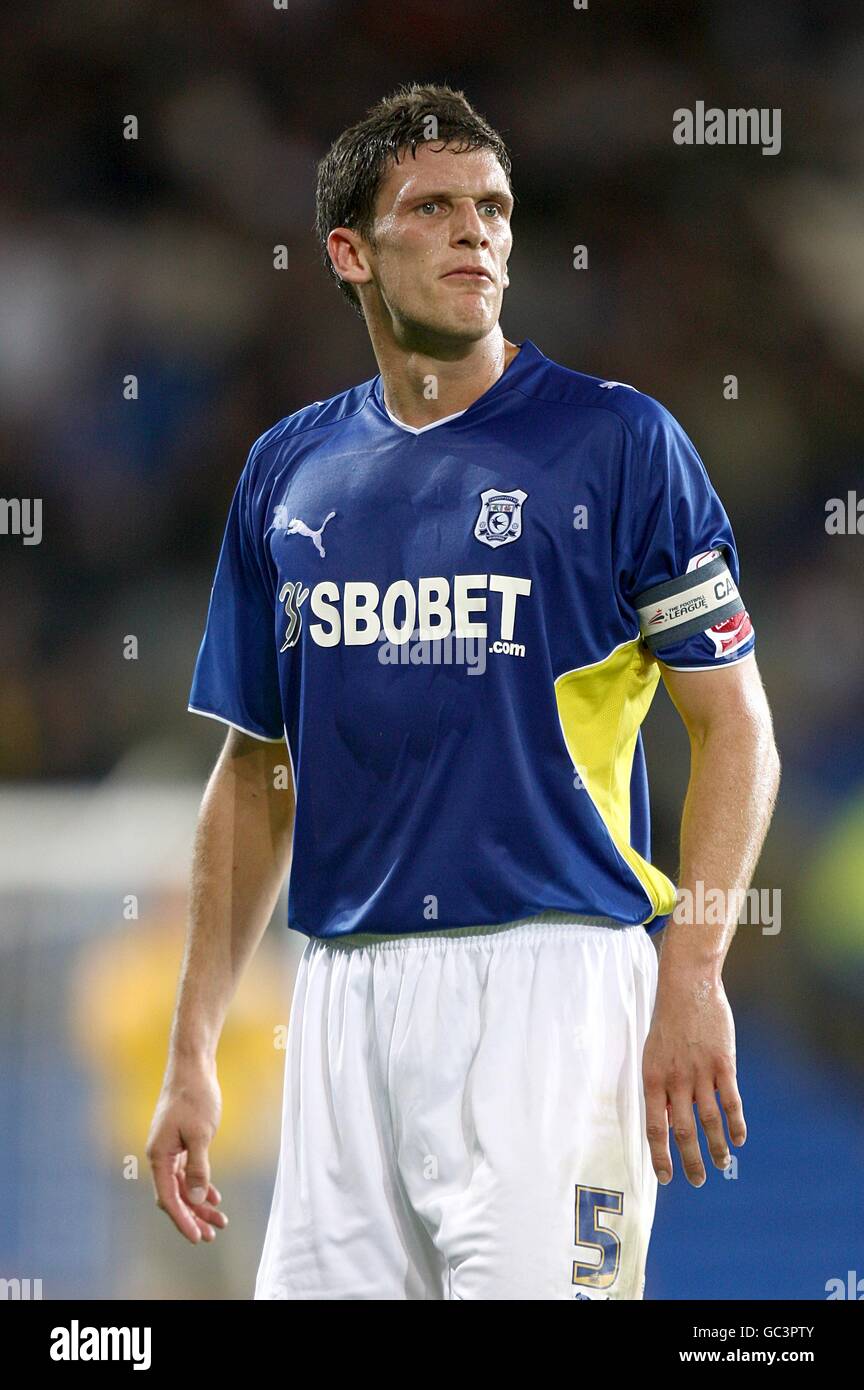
424,206
496,207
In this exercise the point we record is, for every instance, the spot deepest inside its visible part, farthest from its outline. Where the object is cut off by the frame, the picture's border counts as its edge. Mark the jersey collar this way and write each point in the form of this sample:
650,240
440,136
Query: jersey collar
526,358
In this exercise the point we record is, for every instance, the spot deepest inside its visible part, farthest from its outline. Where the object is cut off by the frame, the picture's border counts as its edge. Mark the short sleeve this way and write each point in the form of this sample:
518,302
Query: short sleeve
682,572
236,675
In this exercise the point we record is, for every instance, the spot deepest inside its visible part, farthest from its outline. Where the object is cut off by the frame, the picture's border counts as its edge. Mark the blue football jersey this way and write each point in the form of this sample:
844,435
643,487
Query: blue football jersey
457,629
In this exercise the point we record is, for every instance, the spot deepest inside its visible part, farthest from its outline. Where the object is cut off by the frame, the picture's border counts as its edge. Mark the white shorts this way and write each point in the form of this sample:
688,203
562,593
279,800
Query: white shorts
464,1117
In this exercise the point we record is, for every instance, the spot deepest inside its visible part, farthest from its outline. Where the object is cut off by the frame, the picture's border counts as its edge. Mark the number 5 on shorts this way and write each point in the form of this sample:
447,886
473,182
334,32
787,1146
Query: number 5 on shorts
593,1206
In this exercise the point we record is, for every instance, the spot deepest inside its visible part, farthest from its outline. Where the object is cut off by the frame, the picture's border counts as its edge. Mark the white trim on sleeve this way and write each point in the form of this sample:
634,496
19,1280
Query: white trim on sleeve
716,667
208,714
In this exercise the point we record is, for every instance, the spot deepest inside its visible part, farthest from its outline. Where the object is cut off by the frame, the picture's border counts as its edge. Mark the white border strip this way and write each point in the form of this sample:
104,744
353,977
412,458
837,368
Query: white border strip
208,714
718,666
421,429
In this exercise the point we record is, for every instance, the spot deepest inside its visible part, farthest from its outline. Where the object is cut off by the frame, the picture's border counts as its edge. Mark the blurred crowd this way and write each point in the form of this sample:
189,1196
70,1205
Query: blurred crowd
153,257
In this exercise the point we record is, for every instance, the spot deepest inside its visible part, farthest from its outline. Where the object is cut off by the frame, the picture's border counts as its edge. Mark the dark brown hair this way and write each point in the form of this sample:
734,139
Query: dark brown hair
350,173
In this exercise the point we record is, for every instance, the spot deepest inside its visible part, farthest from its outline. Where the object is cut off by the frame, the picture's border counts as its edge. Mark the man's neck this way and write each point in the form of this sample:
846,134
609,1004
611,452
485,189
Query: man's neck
420,388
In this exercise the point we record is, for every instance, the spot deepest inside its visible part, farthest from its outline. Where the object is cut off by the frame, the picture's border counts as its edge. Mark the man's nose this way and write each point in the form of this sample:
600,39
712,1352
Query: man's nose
468,226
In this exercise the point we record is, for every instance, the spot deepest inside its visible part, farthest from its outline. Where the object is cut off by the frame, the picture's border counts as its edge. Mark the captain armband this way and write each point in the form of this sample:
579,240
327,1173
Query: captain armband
703,598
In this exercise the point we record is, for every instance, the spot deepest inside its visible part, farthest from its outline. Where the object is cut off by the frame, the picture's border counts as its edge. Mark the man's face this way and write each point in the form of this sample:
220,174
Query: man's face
441,241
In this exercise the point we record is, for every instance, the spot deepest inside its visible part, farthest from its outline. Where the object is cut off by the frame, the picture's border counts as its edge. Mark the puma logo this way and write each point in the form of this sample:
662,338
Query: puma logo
296,527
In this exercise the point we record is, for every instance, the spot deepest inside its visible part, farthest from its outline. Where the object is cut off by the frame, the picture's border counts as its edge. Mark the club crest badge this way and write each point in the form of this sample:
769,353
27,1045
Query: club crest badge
500,519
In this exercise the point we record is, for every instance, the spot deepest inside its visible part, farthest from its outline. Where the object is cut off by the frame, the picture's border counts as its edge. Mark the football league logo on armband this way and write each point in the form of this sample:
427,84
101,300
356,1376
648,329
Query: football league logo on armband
676,609
500,519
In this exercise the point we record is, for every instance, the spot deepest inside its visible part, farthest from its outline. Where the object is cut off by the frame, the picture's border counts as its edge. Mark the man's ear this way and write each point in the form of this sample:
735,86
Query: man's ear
347,252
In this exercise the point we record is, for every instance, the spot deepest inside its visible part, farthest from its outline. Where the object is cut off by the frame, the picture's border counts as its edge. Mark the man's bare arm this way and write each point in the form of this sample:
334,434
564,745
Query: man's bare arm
690,1051
242,849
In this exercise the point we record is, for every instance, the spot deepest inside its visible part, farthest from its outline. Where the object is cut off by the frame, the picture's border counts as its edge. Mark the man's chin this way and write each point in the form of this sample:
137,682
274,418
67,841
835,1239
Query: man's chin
451,327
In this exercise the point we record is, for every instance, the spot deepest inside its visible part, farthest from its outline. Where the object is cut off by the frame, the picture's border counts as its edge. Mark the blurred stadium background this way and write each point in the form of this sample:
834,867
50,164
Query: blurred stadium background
154,257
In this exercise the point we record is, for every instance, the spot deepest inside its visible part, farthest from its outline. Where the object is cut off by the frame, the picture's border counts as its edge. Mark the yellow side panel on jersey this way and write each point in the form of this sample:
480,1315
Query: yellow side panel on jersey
601,708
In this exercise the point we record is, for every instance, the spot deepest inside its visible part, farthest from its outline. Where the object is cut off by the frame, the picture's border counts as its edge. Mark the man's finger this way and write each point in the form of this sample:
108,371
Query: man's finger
657,1130
211,1215
196,1176
208,1232
711,1119
168,1197
686,1136
730,1099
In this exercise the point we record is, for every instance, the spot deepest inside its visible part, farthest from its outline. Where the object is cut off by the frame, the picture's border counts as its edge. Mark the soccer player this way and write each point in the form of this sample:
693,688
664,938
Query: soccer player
447,595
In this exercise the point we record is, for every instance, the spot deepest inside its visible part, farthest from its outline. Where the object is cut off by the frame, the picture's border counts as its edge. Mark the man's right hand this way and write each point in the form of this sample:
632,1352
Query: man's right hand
186,1119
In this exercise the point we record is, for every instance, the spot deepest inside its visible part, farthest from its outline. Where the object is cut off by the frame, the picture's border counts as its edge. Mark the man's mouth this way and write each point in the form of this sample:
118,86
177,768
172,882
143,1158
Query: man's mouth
471,272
